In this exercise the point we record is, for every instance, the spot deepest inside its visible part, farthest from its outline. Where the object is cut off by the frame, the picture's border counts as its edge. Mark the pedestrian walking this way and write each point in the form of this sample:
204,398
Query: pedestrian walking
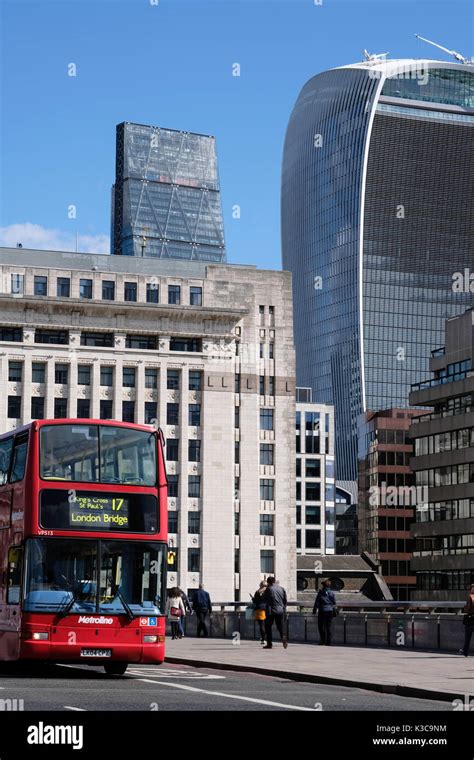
187,610
275,601
325,605
468,621
259,609
202,605
175,611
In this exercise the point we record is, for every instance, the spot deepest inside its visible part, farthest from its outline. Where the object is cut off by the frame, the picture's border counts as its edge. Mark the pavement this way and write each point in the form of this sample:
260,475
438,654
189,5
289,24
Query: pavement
408,673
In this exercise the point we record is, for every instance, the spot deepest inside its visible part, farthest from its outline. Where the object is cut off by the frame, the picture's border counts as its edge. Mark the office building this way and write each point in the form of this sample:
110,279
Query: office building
443,557
203,350
166,198
377,219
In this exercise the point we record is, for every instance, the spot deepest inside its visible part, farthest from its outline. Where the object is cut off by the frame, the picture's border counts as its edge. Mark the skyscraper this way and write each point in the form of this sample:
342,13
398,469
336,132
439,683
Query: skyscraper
377,218
166,200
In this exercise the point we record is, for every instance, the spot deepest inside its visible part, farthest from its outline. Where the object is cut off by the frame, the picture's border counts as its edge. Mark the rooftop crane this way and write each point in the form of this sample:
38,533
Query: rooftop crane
456,55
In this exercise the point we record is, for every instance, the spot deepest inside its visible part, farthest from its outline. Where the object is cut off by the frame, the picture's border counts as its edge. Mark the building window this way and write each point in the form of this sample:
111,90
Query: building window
99,340
61,337
194,522
194,560
128,377
237,384
151,413
312,515
194,415
330,492
173,483
172,449
298,514
61,372
40,286
195,296
237,417
266,525
298,491
85,288
14,407
174,294
266,419
266,453
60,408
105,409
194,486
195,380
194,450
83,408
38,372
152,292
298,539
271,350
261,350
107,376
172,522
142,342
267,562
262,385
11,334
83,374
37,408
173,379
271,312
151,378
15,372
313,539
186,344
108,290
298,467
17,284
172,414
236,452
313,491
271,386
237,489
267,489
63,287
130,291
237,523
313,468
329,468
128,411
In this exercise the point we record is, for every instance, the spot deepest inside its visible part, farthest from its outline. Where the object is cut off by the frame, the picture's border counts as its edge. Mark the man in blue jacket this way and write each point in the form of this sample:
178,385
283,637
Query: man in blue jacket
324,605
202,605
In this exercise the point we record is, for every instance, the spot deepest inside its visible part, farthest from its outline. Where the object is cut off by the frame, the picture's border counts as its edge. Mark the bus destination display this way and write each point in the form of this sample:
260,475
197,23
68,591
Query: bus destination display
62,509
97,510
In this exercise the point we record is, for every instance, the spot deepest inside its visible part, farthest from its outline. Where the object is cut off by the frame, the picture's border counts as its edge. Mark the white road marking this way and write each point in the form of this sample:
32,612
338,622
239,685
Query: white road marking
79,709
156,673
227,696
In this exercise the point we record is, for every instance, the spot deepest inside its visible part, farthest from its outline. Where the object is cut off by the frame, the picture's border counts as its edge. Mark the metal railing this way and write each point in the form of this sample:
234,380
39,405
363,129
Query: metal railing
361,606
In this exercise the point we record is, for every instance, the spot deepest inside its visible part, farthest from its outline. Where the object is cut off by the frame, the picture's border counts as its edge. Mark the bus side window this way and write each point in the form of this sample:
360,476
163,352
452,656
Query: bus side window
15,561
19,458
5,458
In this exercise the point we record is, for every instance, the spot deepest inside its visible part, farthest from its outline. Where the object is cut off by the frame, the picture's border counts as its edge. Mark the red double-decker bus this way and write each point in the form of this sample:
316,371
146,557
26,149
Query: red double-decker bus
83,532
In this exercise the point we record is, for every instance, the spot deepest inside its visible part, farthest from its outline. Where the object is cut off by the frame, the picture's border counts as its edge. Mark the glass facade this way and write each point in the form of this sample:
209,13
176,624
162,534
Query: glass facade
166,197
376,218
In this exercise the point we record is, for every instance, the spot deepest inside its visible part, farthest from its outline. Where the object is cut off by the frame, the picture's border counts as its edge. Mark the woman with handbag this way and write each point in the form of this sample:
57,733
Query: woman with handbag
259,609
468,621
175,611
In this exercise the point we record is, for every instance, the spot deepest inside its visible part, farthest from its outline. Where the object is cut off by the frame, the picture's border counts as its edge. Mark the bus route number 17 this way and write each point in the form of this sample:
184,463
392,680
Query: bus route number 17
116,504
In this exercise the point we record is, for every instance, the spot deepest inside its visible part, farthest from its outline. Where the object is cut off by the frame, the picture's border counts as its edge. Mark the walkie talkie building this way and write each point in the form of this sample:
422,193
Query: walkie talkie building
166,199
377,217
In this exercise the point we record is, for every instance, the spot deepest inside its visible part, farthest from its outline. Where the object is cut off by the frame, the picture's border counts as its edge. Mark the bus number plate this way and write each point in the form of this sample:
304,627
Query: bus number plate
96,653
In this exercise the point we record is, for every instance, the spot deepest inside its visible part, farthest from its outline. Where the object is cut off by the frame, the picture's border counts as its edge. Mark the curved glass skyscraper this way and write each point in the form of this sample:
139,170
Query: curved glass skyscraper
377,217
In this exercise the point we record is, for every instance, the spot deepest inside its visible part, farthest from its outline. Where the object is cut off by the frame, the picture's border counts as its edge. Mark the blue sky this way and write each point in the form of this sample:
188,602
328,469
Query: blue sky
170,65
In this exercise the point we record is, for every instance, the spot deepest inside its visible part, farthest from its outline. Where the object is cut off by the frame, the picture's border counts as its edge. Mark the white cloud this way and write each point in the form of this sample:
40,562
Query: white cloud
37,237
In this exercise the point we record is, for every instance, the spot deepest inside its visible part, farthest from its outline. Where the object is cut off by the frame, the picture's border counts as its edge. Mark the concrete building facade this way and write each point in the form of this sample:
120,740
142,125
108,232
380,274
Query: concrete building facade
206,352
443,557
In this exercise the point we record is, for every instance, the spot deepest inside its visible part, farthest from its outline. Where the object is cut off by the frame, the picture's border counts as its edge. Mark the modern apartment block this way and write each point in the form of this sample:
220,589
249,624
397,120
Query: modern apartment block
377,216
388,495
204,351
443,556
166,198
315,485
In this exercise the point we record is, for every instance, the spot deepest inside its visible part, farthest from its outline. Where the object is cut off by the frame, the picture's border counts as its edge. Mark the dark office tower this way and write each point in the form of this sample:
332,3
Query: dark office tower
166,200
377,216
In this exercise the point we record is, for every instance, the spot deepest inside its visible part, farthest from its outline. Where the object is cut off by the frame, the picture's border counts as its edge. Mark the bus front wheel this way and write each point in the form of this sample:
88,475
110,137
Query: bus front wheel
115,668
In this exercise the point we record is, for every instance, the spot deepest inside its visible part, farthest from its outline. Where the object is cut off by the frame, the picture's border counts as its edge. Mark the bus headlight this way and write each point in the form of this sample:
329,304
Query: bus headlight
150,639
40,636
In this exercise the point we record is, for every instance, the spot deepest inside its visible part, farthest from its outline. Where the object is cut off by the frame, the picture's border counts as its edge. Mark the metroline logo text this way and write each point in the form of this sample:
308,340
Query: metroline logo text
96,620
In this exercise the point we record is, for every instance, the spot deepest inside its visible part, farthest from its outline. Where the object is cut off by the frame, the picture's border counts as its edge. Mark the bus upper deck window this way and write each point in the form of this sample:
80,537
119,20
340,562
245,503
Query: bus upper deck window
5,457
20,450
